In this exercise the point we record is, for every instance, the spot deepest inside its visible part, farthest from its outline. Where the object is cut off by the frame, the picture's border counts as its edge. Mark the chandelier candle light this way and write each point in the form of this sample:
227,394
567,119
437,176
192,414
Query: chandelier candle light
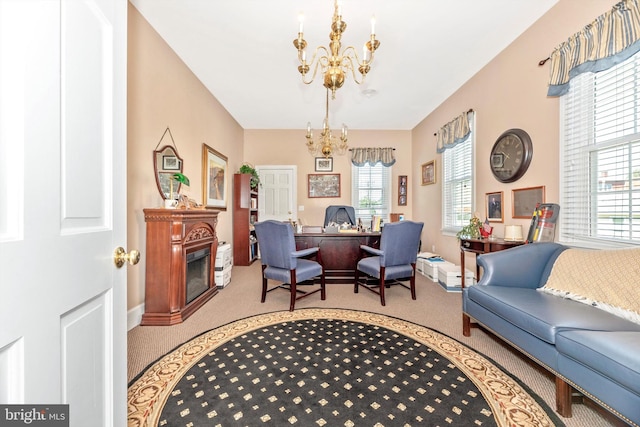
327,144
333,62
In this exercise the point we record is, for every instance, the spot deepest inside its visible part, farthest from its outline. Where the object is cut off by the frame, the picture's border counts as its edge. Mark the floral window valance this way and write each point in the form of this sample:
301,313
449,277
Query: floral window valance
454,132
609,40
371,156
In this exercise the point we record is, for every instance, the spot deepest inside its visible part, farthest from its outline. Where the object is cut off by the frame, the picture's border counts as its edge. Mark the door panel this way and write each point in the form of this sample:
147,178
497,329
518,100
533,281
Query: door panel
62,147
277,193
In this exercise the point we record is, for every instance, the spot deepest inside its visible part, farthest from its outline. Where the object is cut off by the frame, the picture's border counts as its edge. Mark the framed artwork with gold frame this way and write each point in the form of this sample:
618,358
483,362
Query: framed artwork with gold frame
214,178
429,173
495,207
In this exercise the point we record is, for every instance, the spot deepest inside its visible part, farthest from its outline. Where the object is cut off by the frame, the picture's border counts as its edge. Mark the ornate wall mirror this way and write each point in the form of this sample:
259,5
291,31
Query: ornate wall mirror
166,162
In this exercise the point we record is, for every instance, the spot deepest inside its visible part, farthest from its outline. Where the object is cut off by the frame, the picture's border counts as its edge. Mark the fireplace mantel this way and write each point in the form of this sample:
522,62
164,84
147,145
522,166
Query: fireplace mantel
171,235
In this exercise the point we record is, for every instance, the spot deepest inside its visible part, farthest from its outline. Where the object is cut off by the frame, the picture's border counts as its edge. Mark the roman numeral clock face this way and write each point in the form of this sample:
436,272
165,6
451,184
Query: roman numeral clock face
511,155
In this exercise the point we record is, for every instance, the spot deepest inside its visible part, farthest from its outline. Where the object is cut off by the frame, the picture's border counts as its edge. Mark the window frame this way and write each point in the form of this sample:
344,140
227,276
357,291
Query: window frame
386,188
586,141
450,227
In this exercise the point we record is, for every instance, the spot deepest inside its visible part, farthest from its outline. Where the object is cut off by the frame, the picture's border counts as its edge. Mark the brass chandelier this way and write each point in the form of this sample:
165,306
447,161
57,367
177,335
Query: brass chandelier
327,144
334,63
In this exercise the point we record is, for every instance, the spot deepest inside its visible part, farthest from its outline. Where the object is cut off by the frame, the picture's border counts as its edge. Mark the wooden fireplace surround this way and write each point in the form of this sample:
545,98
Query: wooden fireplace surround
171,235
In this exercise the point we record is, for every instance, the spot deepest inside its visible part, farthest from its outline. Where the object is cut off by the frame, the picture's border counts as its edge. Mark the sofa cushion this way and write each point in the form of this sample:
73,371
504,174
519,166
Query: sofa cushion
613,354
544,315
606,279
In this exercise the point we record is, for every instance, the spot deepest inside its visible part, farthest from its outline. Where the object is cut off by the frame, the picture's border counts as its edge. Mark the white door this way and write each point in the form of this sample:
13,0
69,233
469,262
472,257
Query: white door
277,193
62,209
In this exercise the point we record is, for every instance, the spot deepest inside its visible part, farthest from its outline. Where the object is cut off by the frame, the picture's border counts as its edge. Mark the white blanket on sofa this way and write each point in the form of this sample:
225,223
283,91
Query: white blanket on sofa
607,279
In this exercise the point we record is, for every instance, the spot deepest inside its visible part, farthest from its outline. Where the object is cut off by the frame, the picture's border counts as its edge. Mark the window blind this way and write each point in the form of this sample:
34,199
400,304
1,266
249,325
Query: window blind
458,183
371,191
600,158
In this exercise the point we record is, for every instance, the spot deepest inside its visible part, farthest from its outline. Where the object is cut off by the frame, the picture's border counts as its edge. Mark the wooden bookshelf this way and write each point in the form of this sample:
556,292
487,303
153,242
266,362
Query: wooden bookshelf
245,214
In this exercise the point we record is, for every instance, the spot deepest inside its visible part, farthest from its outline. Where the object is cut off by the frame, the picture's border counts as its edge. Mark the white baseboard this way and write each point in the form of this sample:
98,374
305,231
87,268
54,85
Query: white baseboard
134,316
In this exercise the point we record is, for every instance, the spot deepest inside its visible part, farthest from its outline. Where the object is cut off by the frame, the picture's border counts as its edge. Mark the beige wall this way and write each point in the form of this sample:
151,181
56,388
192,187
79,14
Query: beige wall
275,147
510,92
163,92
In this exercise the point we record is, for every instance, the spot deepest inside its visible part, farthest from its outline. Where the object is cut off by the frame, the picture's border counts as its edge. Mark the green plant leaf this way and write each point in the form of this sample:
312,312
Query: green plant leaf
181,178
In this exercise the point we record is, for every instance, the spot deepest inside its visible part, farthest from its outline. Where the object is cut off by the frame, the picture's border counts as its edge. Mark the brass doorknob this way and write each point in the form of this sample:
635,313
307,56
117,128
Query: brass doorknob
120,256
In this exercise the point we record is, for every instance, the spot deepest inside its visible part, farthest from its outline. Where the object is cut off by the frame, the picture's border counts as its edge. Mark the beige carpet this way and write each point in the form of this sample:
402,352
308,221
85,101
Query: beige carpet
434,308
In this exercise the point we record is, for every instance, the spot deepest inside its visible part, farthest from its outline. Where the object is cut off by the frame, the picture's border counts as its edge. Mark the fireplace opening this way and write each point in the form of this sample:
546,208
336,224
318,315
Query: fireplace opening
198,272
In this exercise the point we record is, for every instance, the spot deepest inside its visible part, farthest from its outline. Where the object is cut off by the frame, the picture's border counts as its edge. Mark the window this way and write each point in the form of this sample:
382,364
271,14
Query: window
371,191
458,184
600,158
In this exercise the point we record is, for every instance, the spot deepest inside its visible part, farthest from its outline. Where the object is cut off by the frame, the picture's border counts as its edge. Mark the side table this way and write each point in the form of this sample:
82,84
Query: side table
480,246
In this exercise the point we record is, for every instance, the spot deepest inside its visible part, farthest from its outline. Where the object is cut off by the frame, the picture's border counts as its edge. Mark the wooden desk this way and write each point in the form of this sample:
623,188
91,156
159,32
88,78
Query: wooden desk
479,246
339,252
483,246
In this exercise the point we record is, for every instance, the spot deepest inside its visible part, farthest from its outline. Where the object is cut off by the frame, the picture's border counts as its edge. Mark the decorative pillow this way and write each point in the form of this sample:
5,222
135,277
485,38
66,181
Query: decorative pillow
606,279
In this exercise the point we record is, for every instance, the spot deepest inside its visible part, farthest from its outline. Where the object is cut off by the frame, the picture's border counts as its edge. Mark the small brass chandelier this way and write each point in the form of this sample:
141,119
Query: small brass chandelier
334,63
327,144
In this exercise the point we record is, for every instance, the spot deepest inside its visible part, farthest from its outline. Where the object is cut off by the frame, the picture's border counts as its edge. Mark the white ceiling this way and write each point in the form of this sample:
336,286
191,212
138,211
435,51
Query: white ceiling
242,51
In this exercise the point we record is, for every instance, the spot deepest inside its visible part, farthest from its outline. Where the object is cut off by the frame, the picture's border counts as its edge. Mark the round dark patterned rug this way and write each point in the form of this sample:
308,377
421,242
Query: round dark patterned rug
328,367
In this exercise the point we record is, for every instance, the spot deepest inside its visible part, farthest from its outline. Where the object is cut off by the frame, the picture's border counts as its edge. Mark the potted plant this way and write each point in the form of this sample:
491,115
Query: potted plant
471,230
255,178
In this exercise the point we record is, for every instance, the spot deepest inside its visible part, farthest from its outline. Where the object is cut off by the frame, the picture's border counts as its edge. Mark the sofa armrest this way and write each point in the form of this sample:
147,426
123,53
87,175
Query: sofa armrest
526,266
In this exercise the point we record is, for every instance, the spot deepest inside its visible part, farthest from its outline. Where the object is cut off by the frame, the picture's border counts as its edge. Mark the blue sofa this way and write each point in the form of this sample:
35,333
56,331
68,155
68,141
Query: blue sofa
588,349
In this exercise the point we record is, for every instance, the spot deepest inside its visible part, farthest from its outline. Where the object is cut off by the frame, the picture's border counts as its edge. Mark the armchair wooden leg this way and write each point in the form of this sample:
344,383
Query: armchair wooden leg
355,284
382,276
292,287
264,284
412,283
323,292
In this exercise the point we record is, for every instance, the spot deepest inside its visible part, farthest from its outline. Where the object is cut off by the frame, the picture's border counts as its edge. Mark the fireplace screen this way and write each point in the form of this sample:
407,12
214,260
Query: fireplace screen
198,273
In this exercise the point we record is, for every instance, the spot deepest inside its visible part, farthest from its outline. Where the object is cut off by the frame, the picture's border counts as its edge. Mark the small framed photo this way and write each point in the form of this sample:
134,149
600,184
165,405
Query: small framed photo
170,163
495,212
324,185
429,173
525,201
324,164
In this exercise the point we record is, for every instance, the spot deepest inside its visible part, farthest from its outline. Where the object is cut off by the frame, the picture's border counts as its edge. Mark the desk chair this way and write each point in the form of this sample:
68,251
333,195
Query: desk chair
281,262
396,258
339,214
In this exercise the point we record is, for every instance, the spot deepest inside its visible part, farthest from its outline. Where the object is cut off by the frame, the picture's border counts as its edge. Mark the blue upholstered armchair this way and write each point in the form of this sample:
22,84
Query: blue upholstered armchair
282,263
396,258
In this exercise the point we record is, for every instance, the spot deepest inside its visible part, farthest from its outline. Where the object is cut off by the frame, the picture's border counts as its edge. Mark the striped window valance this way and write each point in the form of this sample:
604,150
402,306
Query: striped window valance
371,156
609,40
454,132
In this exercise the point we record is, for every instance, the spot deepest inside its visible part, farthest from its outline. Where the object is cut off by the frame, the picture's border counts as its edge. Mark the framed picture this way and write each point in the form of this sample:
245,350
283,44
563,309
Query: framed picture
494,212
525,201
170,163
324,185
402,190
324,164
429,173
214,178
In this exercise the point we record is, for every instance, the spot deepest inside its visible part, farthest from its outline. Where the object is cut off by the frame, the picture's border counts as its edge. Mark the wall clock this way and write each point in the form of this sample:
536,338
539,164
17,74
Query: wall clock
511,155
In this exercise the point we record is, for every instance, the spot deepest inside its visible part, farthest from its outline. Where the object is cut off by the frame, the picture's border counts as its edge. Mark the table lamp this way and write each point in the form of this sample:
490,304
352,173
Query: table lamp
513,233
